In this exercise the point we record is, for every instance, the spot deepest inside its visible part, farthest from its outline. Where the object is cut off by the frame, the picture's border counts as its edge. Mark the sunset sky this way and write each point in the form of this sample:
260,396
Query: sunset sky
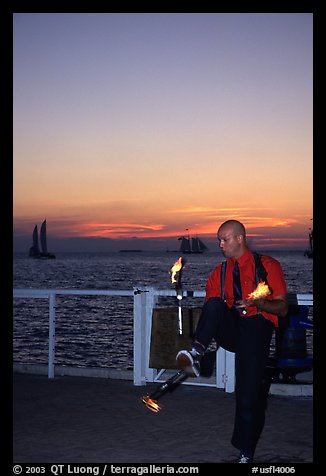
140,125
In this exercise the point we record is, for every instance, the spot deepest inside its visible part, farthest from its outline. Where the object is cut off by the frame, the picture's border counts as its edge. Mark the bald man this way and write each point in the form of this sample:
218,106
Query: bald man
243,325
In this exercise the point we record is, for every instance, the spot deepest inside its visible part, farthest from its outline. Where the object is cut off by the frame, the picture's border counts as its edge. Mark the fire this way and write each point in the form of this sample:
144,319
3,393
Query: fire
261,291
175,268
151,404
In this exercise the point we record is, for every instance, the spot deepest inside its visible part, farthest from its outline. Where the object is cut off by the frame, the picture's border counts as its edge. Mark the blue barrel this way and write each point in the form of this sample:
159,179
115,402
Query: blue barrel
291,342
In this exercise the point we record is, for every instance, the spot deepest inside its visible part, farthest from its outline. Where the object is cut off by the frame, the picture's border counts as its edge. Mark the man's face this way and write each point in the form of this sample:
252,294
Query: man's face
229,242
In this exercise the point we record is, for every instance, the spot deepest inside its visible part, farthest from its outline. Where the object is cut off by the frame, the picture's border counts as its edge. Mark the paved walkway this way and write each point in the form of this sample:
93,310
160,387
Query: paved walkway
94,420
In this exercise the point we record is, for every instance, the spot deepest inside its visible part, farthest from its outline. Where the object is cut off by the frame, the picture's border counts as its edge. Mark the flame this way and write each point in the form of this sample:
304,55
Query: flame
175,268
261,291
151,404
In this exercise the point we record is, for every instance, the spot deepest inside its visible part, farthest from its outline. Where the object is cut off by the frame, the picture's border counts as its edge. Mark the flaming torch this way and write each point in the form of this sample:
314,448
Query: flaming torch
151,400
177,268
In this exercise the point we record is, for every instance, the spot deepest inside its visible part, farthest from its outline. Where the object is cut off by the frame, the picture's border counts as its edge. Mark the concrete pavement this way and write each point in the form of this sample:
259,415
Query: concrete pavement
99,420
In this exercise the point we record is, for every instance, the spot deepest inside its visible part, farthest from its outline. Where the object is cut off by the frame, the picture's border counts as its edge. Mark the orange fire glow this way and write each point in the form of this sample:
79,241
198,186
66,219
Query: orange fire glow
151,404
175,268
262,290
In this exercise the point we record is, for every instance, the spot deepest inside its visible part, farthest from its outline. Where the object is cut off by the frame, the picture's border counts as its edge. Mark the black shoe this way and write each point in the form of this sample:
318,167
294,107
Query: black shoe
189,362
244,458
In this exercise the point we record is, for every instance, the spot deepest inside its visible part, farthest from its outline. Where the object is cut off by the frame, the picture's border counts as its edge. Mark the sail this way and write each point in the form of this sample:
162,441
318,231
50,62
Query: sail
310,251
43,238
195,245
185,245
202,246
311,241
34,249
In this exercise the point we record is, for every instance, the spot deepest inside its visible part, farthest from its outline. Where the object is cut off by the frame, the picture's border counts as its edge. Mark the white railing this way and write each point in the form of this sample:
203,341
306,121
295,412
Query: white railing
145,300
51,295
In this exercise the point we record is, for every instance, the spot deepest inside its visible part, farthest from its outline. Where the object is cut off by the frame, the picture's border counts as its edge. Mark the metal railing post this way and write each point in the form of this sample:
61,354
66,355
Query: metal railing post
139,336
150,374
220,368
229,371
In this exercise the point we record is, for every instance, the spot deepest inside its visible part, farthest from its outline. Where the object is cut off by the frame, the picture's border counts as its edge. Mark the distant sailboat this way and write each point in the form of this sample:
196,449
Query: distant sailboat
310,251
192,245
34,251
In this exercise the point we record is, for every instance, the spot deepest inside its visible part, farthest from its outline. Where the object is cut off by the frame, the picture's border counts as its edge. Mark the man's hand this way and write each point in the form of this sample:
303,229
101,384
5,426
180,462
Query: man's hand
259,303
277,305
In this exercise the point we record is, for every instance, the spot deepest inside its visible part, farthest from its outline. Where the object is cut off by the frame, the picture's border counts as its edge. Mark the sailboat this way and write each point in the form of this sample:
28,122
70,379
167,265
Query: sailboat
310,251
192,245
34,251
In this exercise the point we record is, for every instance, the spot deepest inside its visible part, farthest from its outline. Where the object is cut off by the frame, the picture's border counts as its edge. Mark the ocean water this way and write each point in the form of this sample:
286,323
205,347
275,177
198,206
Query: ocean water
97,331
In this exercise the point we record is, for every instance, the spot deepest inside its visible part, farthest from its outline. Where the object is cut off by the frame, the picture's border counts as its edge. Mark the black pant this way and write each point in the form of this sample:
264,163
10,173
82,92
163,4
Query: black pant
249,338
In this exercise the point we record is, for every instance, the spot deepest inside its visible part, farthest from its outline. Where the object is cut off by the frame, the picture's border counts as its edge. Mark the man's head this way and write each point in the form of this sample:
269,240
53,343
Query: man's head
232,239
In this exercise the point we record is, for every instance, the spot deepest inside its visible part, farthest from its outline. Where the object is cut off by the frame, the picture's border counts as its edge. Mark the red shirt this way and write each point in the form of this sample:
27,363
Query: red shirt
275,278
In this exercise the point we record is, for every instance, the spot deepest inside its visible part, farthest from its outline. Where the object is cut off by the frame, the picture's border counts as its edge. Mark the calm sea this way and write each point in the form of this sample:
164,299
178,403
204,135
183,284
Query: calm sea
97,331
